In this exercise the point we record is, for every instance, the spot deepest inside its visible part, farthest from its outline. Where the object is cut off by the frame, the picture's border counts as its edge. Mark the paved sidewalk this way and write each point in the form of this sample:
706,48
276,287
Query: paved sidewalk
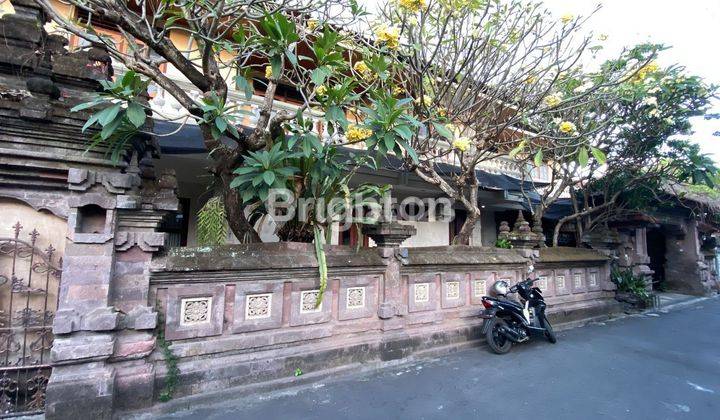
654,365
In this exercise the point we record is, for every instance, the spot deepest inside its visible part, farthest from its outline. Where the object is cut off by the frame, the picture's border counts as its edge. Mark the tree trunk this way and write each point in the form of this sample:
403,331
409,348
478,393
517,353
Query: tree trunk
235,213
556,232
463,237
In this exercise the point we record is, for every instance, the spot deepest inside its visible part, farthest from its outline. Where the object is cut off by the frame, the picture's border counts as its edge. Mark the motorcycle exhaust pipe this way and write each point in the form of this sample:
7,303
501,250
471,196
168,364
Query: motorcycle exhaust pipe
510,334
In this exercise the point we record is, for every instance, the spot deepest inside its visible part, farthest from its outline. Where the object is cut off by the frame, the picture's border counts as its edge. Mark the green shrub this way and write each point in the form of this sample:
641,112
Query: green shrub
628,282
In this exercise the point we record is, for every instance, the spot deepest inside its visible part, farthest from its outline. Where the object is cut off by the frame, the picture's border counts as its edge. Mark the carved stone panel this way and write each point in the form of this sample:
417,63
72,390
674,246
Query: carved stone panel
358,297
303,310
257,306
454,288
194,311
422,292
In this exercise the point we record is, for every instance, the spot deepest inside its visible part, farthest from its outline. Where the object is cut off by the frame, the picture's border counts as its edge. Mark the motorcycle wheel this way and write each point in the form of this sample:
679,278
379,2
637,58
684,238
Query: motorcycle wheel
498,343
549,333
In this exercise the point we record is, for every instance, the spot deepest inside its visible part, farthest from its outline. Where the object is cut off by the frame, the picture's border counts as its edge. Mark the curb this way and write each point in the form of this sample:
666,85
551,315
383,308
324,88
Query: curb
681,305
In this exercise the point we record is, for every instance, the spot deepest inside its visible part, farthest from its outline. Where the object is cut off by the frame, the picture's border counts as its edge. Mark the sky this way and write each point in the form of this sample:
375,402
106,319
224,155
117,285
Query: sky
691,27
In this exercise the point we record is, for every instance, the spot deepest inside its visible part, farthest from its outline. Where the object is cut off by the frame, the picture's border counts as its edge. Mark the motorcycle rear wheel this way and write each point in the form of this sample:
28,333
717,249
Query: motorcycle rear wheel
549,333
497,342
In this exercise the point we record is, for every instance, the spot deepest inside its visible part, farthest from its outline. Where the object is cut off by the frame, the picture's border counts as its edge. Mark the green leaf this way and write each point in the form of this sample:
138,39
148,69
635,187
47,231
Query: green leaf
109,129
583,156
221,124
516,150
135,114
443,130
599,155
269,177
108,114
276,64
538,158
244,85
85,105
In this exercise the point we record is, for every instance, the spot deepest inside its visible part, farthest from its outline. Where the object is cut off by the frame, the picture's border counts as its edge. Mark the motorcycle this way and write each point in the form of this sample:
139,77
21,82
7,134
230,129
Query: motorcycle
508,322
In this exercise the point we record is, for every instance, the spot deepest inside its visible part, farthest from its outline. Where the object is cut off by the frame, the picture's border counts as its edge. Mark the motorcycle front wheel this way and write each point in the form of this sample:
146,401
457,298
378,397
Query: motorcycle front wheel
498,343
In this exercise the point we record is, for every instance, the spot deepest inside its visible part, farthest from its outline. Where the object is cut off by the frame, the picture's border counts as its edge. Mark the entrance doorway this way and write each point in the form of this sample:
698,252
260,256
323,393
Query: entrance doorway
656,251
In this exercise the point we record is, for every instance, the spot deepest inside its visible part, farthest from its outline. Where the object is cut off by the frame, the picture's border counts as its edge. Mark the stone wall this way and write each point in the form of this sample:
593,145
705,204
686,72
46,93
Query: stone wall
103,327
244,314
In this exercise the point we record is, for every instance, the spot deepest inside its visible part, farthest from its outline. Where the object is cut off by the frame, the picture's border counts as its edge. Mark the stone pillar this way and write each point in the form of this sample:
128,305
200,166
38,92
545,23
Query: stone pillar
389,236
686,270
104,323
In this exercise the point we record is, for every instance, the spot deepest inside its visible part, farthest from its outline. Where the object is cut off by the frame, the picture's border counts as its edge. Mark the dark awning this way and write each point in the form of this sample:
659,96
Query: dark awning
188,140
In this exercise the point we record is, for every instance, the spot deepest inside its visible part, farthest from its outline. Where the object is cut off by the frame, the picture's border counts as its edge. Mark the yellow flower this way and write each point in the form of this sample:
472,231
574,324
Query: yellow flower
389,35
603,37
462,144
397,91
644,71
268,72
442,112
426,100
567,18
321,90
411,6
567,127
362,68
356,134
553,100
312,24
530,80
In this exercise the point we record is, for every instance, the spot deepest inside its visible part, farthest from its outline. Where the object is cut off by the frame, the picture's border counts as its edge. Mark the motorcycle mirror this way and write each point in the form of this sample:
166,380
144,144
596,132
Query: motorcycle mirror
531,268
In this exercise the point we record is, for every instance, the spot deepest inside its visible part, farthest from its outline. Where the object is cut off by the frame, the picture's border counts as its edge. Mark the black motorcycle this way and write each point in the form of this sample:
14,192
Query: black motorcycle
508,322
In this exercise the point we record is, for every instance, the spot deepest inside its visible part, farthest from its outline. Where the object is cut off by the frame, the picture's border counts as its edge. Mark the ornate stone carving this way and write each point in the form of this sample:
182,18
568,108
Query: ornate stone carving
308,299
195,310
452,290
355,297
258,306
522,236
421,292
560,282
577,280
593,280
479,288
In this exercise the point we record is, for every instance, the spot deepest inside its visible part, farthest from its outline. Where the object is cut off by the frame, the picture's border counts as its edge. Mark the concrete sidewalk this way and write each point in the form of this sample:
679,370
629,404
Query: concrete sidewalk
650,365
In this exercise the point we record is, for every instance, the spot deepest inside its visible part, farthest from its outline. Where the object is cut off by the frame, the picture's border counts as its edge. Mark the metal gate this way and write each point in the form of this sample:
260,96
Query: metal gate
29,282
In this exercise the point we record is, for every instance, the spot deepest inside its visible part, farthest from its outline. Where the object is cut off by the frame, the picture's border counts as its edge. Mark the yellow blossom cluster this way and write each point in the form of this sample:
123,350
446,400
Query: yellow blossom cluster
362,69
566,18
321,90
268,72
397,91
312,24
412,6
553,100
462,144
567,127
531,79
356,134
426,100
390,36
644,71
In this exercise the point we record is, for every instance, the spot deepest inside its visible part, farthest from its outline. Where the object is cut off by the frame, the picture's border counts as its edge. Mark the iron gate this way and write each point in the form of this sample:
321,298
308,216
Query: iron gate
29,281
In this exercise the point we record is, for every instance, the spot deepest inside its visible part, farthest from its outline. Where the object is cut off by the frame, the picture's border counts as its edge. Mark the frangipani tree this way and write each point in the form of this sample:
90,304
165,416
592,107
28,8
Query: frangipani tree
480,74
257,46
621,150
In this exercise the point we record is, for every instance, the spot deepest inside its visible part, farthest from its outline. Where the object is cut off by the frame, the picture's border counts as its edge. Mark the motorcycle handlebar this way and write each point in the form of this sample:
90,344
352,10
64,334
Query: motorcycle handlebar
529,281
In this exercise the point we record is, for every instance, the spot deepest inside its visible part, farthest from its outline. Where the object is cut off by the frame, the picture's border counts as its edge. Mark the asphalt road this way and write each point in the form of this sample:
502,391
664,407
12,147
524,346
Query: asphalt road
665,366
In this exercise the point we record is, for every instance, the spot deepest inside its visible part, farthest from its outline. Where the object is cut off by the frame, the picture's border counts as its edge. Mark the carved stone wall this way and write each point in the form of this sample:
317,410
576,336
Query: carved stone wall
244,314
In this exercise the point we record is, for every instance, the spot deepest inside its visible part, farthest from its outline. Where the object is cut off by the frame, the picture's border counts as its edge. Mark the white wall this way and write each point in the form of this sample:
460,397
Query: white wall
428,234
